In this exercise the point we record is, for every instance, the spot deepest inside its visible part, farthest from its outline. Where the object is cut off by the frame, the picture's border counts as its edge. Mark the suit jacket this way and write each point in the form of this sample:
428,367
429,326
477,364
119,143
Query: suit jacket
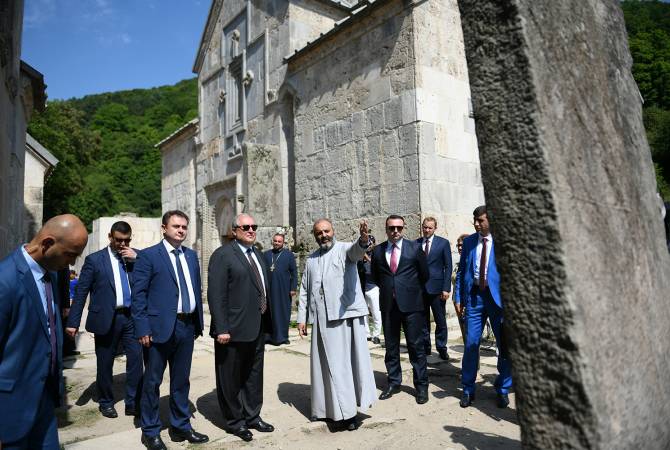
234,294
405,287
96,278
24,348
439,265
341,286
465,276
156,293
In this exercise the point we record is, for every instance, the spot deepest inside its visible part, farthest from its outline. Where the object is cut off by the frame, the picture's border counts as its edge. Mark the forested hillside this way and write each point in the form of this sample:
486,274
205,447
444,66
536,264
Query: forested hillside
648,25
105,144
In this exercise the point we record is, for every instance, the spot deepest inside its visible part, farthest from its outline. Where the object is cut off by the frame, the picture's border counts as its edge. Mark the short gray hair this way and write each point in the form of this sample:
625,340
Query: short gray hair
236,220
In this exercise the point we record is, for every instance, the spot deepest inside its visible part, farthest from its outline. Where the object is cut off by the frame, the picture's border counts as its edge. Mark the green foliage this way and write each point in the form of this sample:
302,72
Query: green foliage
105,144
648,25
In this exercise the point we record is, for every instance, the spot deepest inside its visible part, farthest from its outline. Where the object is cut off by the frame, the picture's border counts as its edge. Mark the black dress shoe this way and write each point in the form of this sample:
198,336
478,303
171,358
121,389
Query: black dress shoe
153,442
443,354
262,426
108,411
376,341
132,411
389,391
191,435
502,400
466,400
242,433
286,342
422,397
369,338
351,424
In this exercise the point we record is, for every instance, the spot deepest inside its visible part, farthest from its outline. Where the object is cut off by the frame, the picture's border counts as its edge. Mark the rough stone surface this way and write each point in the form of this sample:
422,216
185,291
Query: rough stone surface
571,192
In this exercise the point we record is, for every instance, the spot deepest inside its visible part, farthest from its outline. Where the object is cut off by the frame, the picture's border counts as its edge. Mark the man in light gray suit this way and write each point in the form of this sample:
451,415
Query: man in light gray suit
331,300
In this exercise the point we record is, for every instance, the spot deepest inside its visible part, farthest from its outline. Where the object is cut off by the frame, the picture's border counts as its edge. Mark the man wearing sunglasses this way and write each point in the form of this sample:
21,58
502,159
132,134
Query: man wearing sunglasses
107,275
237,292
400,269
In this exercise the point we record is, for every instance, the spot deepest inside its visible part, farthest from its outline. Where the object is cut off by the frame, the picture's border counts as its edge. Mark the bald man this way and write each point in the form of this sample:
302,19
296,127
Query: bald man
31,370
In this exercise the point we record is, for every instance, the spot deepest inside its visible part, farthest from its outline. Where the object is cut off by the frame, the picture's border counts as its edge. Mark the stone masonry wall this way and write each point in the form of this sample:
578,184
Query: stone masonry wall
178,180
355,126
449,160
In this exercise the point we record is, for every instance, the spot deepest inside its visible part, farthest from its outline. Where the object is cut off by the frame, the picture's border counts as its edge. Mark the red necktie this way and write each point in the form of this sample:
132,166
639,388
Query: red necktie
394,259
482,266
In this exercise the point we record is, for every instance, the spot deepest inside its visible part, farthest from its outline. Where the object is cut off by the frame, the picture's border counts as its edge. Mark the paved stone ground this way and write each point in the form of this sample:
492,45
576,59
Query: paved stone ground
395,423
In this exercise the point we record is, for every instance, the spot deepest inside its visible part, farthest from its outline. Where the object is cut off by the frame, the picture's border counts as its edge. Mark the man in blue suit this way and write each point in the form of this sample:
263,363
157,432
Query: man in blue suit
438,286
478,294
108,276
31,369
167,312
399,268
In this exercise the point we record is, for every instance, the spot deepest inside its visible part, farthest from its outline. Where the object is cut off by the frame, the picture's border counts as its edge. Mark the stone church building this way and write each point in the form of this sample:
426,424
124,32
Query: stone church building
325,108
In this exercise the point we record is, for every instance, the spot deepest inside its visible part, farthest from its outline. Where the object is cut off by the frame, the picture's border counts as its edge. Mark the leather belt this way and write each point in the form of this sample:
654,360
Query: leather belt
122,310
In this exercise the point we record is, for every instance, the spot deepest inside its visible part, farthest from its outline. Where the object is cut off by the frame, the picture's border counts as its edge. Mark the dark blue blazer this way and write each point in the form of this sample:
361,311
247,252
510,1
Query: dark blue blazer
156,293
439,265
405,287
96,278
24,348
466,271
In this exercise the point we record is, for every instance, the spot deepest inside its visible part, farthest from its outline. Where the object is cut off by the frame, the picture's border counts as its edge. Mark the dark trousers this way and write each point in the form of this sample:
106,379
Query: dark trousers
414,325
439,308
239,381
122,331
177,351
480,306
44,433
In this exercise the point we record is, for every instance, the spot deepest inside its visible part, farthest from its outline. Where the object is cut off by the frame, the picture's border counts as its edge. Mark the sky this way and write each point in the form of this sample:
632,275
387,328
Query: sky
91,46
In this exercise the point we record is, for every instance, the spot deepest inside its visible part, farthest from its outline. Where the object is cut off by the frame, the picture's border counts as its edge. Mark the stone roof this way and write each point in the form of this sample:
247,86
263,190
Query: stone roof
37,85
178,132
39,150
360,9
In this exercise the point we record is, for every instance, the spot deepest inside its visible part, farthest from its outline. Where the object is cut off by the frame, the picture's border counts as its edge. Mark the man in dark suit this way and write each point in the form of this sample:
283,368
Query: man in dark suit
238,283
400,270
438,287
284,285
167,313
31,369
108,276
479,294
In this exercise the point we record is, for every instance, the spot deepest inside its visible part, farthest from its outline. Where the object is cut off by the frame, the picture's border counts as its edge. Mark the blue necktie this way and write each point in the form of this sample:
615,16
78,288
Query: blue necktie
125,284
183,288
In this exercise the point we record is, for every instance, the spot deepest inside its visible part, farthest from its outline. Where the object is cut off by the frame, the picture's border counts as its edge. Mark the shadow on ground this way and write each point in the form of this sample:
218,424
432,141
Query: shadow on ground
297,396
474,440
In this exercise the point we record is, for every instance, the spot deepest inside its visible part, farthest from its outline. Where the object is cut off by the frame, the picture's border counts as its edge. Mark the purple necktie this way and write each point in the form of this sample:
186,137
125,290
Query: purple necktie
482,266
394,259
52,323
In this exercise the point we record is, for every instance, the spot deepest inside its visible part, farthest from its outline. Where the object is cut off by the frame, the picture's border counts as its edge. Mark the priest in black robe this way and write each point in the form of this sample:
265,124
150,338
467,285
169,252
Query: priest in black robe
284,285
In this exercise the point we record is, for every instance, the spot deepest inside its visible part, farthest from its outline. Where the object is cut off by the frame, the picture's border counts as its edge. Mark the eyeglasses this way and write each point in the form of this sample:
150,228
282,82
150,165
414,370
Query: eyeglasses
395,228
254,227
122,241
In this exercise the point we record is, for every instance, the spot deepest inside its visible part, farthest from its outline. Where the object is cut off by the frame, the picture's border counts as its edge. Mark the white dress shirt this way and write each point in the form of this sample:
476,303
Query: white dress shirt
258,264
117,278
478,256
187,274
38,274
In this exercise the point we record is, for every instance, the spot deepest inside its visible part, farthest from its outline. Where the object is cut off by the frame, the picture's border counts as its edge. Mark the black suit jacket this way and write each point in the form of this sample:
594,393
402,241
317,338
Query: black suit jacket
234,295
405,287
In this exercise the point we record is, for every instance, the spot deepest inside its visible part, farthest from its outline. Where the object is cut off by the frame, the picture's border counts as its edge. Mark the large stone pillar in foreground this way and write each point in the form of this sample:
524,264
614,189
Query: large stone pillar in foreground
570,185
